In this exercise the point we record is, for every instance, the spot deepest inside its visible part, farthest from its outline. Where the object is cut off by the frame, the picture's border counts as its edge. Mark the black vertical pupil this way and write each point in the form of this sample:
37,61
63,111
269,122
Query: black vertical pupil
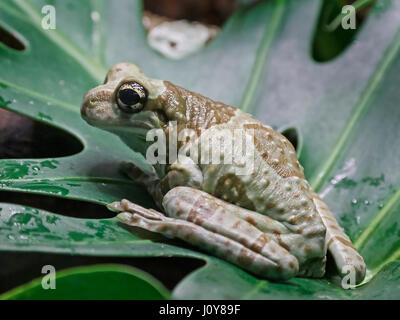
129,97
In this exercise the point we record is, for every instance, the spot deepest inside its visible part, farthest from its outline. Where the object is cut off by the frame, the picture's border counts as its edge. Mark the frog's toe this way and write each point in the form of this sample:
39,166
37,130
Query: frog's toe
288,267
127,208
115,206
130,207
146,220
123,205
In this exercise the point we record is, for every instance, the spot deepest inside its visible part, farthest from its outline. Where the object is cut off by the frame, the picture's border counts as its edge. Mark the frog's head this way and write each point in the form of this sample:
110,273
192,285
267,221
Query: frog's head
124,104
130,104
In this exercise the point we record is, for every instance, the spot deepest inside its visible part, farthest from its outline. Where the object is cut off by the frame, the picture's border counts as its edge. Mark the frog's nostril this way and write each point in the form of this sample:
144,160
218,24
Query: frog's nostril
88,103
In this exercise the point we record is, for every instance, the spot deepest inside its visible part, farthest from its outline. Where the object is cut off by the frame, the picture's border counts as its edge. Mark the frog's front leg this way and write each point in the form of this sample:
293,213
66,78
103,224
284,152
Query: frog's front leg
150,181
213,227
182,173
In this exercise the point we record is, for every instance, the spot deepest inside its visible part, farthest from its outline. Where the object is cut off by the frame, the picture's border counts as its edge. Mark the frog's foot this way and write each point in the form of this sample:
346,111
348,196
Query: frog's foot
346,257
150,181
236,241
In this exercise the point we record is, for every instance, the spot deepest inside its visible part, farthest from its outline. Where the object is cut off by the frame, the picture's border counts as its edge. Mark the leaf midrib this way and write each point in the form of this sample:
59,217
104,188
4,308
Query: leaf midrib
98,28
72,179
40,96
262,54
186,253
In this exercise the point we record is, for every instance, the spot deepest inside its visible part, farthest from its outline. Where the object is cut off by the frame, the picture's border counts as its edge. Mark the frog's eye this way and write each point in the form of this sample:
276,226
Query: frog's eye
131,97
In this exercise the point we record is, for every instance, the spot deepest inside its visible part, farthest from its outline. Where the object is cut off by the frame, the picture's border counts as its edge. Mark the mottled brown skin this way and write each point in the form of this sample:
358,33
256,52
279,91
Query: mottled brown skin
269,221
231,187
191,110
284,151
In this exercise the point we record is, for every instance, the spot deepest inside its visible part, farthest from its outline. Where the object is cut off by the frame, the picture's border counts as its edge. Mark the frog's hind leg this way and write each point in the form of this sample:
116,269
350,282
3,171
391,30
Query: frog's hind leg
214,229
339,244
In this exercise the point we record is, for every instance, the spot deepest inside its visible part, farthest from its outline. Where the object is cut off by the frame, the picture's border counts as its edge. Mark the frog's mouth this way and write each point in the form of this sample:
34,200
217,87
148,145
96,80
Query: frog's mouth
138,129
137,125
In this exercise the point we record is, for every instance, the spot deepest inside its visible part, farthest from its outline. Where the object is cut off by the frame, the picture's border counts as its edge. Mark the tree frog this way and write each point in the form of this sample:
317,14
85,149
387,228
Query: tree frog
268,222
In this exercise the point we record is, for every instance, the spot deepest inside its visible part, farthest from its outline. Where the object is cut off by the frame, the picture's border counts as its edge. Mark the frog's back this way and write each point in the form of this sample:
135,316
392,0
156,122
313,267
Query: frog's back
276,150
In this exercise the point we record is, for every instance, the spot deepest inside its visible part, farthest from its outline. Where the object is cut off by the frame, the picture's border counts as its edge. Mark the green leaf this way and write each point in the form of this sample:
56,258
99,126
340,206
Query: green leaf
43,231
346,111
227,282
92,283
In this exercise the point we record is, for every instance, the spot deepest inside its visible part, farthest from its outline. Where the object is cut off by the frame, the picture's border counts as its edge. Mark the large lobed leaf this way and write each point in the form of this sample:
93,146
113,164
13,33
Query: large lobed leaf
345,110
